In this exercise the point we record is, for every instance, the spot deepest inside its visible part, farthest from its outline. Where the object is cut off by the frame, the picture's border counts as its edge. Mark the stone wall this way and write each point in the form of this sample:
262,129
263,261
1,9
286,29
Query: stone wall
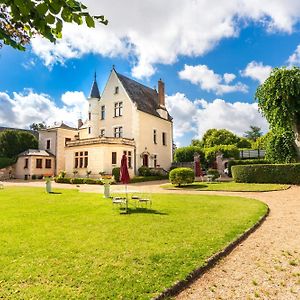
7,173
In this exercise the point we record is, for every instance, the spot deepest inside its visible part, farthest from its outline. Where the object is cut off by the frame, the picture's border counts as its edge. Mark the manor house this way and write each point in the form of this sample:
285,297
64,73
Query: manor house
127,117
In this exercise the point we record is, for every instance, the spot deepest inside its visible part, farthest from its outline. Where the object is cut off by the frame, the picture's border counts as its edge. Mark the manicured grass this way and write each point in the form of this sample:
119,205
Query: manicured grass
229,187
73,245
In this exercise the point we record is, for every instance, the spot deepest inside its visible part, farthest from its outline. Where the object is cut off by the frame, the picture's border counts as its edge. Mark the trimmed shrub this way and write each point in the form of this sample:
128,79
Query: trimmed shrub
279,173
144,171
77,180
62,179
245,162
93,181
116,174
215,173
33,177
181,176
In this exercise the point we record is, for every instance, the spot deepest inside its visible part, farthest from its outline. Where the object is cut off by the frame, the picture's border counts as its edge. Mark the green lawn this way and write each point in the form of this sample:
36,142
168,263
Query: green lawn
229,186
73,245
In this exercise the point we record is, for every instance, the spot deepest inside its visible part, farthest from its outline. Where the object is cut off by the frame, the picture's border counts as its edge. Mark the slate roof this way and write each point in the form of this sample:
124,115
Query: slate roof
36,152
95,90
144,97
35,133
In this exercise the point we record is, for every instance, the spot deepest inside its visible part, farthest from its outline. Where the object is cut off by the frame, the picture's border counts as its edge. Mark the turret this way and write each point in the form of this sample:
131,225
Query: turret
93,117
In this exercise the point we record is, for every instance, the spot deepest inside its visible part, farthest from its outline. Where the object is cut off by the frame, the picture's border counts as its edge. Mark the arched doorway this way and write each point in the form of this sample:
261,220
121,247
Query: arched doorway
146,160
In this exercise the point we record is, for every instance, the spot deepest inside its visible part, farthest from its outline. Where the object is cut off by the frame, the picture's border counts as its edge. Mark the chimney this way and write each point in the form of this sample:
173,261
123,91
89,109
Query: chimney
80,123
161,93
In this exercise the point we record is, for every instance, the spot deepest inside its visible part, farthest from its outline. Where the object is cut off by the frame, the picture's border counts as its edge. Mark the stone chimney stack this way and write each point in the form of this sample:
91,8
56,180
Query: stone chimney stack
80,123
161,93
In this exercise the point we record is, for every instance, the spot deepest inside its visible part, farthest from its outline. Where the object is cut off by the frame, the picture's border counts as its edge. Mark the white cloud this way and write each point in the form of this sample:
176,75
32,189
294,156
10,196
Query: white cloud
200,115
22,109
153,32
294,59
257,71
209,81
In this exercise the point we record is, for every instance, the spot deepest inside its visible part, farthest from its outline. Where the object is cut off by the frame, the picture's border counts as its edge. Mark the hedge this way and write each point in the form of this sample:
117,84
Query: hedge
77,180
147,178
6,162
245,162
181,176
267,173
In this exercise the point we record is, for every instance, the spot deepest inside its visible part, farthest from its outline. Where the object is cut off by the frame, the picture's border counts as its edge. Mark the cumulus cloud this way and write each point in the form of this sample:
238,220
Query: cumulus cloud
209,81
294,59
22,109
200,115
152,32
257,71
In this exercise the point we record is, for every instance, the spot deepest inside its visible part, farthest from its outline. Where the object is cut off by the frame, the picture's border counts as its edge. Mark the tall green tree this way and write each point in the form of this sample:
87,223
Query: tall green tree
279,100
254,133
20,20
214,137
13,142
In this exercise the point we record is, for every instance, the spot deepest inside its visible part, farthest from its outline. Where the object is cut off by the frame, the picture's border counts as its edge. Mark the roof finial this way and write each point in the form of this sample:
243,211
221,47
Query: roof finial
95,76
113,67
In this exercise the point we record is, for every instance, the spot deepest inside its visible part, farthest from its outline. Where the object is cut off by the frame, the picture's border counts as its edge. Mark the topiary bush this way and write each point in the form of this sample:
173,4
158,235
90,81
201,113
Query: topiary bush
181,176
62,179
245,162
267,173
92,181
144,171
116,174
77,180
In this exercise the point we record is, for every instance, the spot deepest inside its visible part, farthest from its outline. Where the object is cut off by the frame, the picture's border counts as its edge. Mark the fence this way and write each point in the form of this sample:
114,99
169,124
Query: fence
245,154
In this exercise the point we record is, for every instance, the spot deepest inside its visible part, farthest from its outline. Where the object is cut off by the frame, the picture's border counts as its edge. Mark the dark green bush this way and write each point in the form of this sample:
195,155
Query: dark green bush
181,176
62,179
267,173
245,162
116,174
77,180
228,151
215,173
6,162
33,177
92,181
186,154
144,171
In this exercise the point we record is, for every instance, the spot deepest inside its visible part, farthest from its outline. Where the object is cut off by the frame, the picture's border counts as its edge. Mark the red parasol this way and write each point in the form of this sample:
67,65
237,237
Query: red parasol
124,175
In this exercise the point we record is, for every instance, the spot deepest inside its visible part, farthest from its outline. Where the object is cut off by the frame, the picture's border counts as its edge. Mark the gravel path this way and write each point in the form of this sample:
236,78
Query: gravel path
265,266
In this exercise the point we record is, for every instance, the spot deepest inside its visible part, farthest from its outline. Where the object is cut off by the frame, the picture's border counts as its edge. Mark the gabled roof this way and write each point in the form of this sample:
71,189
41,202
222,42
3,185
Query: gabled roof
95,90
145,98
62,125
36,152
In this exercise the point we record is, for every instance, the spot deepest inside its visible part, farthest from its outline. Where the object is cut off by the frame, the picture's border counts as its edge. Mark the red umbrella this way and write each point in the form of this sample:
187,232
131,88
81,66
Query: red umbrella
124,176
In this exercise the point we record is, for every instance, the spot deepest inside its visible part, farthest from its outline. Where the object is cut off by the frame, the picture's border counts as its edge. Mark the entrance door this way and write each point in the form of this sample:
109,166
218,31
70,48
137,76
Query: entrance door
145,160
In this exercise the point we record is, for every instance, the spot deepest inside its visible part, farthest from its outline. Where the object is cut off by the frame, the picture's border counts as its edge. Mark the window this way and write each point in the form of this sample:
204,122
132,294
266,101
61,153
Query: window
155,160
154,136
39,163
89,130
26,163
102,132
118,109
48,163
90,116
164,138
67,140
48,144
116,90
114,158
81,159
102,112
129,158
118,132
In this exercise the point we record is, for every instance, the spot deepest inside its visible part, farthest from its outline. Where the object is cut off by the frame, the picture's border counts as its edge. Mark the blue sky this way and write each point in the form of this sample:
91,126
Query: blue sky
211,66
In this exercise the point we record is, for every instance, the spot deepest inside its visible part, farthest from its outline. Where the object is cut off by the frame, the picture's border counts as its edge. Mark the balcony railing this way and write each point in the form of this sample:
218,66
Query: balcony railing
101,140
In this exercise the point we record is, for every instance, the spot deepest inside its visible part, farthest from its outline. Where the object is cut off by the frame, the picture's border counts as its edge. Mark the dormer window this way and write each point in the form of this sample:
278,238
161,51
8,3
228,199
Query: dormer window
118,109
116,90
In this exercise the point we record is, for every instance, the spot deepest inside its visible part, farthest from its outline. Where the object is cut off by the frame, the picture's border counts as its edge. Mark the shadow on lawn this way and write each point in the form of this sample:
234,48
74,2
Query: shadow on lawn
193,186
55,193
143,210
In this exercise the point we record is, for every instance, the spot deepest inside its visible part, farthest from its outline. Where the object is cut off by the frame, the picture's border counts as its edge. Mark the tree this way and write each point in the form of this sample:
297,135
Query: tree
13,142
214,137
20,20
254,133
244,143
279,100
37,126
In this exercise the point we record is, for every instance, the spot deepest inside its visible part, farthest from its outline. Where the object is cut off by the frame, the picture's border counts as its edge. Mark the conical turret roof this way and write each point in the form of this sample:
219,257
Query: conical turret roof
95,90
